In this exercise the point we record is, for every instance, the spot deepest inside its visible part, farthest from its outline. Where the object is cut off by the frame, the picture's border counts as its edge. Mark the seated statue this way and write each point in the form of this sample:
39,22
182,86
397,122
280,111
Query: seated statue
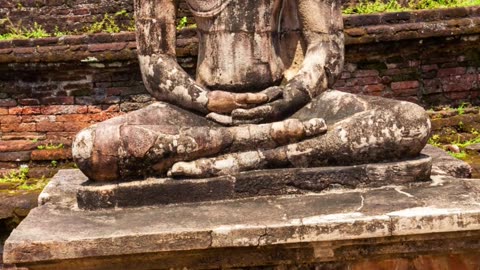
261,99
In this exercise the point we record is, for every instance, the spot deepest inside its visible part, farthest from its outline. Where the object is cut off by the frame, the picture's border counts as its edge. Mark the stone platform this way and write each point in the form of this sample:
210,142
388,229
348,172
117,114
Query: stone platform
158,191
398,226
340,225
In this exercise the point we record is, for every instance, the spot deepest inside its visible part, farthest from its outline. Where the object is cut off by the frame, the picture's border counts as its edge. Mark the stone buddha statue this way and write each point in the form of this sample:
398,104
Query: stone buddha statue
261,98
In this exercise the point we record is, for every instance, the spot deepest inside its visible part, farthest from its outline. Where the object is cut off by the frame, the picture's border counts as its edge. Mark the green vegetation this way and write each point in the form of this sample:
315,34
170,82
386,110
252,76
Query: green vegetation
183,23
50,146
109,24
19,32
379,6
19,180
434,140
462,155
461,108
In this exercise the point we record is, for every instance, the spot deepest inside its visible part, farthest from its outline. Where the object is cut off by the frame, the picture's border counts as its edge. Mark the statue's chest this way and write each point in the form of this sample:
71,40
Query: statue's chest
236,15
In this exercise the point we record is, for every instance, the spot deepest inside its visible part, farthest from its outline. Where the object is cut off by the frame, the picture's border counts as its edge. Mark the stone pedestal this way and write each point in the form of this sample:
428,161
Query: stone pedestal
424,225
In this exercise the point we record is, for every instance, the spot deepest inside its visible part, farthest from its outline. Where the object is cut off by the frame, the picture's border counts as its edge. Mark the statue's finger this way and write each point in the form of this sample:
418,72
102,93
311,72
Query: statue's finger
257,112
220,118
251,98
273,93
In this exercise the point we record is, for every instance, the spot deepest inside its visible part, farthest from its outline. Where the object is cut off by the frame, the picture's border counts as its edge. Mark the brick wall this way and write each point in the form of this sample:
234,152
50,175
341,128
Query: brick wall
76,15
51,88
68,15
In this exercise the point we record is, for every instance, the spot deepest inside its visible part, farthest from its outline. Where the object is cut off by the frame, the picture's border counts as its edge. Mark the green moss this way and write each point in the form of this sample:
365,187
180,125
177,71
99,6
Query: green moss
379,6
19,180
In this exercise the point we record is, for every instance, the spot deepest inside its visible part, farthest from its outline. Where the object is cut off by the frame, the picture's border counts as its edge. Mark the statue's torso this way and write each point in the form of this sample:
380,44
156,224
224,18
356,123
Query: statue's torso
241,48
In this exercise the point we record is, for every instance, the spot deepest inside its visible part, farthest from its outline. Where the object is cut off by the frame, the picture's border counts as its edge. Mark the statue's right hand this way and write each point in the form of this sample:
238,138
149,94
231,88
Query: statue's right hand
225,102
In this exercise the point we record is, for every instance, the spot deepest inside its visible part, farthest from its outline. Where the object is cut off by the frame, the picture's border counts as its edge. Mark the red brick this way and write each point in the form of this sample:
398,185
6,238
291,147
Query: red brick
15,110
17,145
64,109
367,80
58,100
113,91
74,118
3,111
29,101
374,88
118,46
57,154
366,73
54,136
15,156
22,127
8,102
460,83
10,119
28,110
458,95
50,126
427,68
6,51
451,71
405,92
131,45
405,85
76,126
24,50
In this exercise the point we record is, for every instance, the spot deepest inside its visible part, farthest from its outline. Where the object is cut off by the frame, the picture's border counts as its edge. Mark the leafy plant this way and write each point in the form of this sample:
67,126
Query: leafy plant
50,146
109,24
434,140
367,7
461,108
462,155
182,23
17,31
19,179
58,33
54,163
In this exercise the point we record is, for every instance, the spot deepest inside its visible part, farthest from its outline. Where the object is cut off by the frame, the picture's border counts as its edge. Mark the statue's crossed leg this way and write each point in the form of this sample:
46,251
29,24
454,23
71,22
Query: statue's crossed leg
161,138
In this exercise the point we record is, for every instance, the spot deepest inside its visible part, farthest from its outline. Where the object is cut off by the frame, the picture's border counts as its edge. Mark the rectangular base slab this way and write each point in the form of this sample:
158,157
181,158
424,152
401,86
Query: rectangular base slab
441,217
154,191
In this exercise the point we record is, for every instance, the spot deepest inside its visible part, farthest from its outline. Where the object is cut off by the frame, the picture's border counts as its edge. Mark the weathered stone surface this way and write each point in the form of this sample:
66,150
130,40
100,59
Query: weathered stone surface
444,164
154,191
338,225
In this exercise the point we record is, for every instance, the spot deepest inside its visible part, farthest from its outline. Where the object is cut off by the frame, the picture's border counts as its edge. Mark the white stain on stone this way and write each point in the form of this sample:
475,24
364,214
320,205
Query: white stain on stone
82,146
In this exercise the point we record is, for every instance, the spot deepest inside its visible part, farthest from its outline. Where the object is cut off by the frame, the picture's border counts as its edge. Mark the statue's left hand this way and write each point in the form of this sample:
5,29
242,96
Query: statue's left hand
294,98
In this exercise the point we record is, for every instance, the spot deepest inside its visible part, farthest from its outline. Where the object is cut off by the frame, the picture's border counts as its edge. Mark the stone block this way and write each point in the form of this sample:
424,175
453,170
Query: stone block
250,184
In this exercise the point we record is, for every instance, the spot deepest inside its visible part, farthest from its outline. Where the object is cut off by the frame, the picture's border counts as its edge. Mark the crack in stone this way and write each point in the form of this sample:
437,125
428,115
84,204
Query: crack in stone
399,190
362,204
262,236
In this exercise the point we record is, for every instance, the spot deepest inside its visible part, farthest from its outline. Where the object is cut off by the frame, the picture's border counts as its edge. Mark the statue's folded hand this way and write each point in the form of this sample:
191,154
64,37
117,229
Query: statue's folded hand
226,102
221,103
293,98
